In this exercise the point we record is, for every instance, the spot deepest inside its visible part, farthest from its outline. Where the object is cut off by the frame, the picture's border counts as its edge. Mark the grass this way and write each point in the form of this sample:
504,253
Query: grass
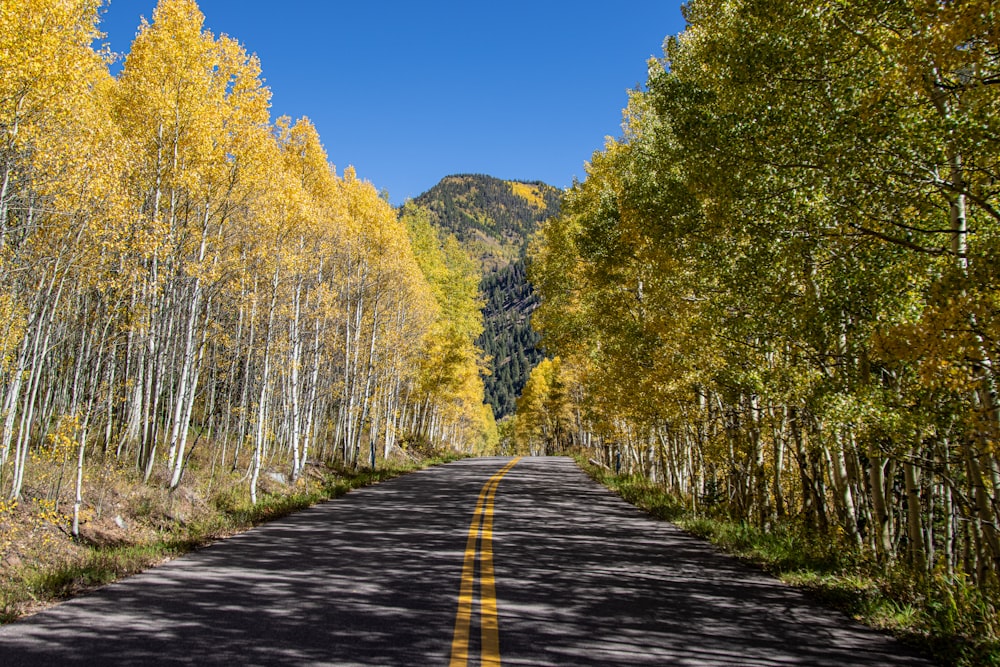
26,588
948,618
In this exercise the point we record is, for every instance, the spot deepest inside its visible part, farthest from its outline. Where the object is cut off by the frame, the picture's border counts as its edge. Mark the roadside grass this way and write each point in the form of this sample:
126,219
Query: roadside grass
947,617
28,587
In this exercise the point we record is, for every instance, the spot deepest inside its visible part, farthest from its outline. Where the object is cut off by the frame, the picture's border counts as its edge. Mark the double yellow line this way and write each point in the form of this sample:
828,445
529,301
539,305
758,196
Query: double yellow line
481,532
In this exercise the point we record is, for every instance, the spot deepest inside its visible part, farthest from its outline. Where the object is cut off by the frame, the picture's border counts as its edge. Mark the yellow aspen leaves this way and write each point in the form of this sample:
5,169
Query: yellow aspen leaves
182,274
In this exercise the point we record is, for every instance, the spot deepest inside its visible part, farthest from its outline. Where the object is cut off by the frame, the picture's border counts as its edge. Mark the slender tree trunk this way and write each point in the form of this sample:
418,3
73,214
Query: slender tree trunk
841,482
914,530
882,527
264,383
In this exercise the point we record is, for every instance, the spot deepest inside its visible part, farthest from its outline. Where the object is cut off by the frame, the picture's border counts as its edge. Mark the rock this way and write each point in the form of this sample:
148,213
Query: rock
120,522
278,477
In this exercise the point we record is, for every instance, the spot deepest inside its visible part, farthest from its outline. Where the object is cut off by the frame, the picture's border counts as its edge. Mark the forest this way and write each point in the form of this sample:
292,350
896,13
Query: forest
182,277
776,294
493,220
508,340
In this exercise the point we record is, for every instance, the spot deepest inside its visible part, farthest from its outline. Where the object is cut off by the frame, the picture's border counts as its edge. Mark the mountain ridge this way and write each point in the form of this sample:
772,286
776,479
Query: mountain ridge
492,218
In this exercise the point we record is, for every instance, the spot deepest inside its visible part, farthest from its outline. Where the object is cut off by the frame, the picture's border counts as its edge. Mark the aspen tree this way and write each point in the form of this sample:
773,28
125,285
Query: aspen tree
777,257
48,89
201,276
185,100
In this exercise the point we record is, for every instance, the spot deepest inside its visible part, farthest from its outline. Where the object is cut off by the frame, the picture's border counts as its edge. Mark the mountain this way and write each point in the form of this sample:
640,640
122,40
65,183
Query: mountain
493,220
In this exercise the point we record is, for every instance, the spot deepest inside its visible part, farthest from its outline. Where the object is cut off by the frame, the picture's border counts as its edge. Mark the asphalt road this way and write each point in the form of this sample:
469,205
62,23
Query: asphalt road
373,578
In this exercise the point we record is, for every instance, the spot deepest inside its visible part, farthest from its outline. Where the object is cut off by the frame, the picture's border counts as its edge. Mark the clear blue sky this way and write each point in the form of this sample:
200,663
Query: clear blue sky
409,92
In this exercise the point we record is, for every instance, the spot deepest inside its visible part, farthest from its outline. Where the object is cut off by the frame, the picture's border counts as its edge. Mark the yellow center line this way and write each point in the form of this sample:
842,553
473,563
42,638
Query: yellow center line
489,625
481,530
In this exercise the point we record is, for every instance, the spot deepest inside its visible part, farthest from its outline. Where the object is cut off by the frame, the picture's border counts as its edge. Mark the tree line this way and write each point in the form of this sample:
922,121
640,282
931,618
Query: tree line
776,293
178,272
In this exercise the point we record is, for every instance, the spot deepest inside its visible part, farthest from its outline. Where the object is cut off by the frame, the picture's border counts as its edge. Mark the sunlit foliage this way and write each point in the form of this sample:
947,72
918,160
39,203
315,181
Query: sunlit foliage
778,287
178,271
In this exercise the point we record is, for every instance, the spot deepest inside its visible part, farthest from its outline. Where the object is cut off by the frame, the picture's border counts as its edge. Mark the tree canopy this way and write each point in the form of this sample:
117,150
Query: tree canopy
177,270
778,287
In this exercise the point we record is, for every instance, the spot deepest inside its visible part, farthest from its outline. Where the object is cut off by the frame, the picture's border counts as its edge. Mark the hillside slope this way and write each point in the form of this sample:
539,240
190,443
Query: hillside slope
493,219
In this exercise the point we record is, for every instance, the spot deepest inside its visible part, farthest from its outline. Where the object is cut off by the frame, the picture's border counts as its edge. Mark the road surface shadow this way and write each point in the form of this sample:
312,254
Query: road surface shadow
583,578
370,578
